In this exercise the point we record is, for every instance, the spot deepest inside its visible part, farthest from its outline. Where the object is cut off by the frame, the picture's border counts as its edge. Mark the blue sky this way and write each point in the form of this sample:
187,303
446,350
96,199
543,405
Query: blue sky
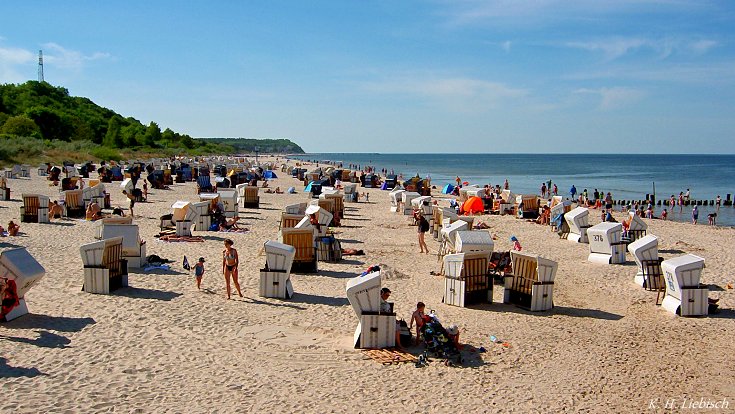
585,76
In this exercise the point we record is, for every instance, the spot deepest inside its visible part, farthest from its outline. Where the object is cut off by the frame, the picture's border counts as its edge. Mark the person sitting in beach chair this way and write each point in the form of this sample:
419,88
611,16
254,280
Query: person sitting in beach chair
545,216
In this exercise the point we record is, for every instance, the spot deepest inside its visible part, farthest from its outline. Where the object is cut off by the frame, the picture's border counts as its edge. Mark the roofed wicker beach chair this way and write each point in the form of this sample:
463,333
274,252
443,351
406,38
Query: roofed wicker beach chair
34,209
375,329
303,241
531,285
466,278
134,249
104,267
74,203
204,184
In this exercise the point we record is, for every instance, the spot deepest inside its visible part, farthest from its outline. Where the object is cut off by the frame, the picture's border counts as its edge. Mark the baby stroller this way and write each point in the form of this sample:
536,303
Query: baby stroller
438,343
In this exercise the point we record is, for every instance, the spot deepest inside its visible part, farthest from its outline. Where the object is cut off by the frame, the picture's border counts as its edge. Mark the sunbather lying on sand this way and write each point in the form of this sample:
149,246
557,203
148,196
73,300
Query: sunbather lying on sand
231,224
94,212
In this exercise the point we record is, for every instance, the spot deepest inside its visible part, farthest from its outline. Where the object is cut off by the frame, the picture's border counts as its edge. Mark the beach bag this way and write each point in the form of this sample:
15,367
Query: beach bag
405,334
423,225
214,227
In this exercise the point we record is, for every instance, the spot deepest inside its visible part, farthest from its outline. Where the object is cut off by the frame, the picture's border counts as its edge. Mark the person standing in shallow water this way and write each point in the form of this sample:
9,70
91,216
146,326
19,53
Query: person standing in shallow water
230,261
695,214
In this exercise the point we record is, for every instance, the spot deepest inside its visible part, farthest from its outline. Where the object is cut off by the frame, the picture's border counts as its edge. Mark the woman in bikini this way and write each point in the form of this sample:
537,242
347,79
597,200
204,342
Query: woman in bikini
230,261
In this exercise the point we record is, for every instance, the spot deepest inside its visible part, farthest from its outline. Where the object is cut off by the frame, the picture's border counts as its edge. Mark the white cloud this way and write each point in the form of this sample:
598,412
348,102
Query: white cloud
447,88
14,63
611,48
532,12
613,98
64,58
616,47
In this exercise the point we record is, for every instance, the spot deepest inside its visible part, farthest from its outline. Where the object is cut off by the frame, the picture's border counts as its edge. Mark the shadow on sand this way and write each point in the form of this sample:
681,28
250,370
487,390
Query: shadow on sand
7,371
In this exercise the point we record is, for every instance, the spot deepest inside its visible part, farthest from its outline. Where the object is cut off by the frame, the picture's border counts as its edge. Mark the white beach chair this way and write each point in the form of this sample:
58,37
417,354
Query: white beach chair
350,192
229,199
473,241
181,219
132,251
249,198
99,224
275,278
19,266
578,221
104,268
34,208
302,240
645,254
298,208
685,296
203,218
396,198
127,185
637,228
606,243
423,203
466,278
406,198
527,206
449,232
374,329
531,285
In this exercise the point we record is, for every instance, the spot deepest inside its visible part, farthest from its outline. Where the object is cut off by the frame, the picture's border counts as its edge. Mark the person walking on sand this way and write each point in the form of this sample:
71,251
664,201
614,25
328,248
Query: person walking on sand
573,191
695,214
230,260
423,227
199,272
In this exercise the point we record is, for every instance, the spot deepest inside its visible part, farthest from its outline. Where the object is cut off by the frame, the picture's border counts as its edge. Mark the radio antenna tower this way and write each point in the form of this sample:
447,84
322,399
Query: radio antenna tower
40,65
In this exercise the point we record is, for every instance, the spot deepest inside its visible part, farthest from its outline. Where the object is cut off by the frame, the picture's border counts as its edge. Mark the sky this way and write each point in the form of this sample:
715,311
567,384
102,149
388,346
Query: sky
505,76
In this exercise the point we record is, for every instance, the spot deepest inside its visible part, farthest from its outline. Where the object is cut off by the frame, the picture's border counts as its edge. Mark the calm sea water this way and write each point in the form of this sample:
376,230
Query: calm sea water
625,176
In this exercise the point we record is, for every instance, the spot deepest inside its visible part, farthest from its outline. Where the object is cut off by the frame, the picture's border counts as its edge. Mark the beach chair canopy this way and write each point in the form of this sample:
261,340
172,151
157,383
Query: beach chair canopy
20,266
307,189
269,175
279,256
363,293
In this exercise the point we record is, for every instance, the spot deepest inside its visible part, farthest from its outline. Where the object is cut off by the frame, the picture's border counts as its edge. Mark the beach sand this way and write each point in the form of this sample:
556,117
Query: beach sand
161,345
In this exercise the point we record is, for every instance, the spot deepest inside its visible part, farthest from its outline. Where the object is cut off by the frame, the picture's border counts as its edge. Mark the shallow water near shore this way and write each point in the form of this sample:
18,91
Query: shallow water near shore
626,176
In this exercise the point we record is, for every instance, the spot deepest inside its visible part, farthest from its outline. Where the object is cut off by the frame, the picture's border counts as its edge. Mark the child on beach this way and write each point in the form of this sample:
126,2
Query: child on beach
418,317
516,244
199,272
664,213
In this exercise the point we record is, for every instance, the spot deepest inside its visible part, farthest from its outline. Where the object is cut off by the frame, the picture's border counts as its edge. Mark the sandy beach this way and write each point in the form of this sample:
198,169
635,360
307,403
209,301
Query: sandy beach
163,346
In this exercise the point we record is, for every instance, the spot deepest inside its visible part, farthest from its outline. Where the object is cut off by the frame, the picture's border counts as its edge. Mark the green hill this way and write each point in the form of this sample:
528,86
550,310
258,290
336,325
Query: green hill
278,146
42,122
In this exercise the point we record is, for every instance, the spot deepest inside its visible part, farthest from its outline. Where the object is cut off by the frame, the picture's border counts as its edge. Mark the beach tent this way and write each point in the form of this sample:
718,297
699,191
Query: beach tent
269,175
473,205
448,189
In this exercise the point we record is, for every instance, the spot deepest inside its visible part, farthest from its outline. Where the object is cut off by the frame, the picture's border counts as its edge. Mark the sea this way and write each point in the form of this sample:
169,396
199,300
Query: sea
626,176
